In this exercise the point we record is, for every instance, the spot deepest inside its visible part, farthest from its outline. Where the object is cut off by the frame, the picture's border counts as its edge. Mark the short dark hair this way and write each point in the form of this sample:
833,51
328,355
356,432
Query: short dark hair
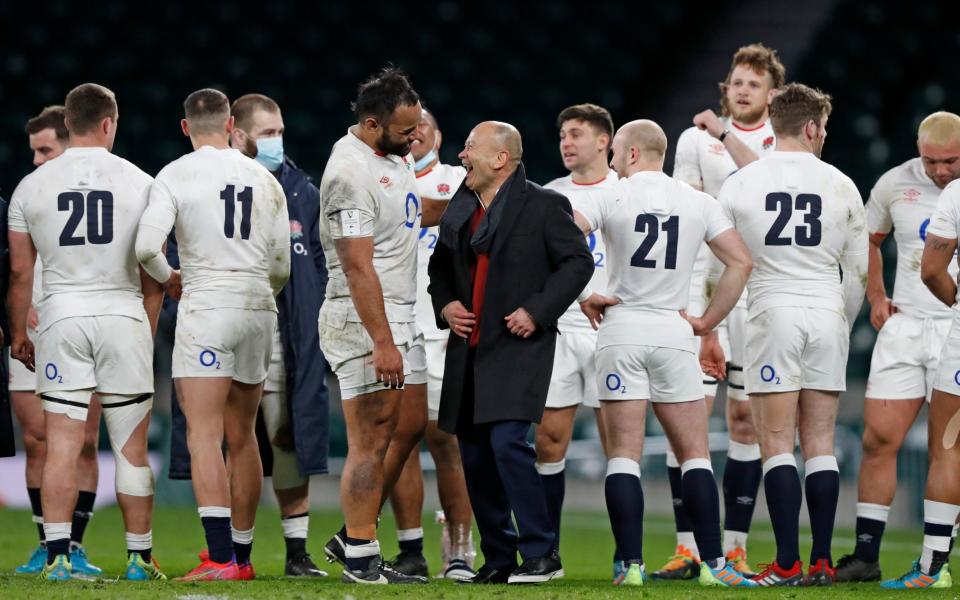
382,93
206,110
244,107
86,105
51,117
795,105
596,116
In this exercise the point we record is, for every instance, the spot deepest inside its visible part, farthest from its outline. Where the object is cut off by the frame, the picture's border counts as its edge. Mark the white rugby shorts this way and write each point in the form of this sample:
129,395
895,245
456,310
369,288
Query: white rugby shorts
417,356
648,373
111,354
276,380
948,372
794,348
906,357
436,350
574,377
224,342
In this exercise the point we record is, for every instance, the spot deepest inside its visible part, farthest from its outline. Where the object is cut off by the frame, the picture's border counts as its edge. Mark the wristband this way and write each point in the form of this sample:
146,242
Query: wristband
723,135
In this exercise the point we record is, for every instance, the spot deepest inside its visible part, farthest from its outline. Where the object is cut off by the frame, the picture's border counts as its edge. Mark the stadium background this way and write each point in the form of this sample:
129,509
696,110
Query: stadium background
886,64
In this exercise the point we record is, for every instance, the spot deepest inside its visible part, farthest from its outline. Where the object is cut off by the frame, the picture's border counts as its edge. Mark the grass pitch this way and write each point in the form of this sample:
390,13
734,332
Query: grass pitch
586,545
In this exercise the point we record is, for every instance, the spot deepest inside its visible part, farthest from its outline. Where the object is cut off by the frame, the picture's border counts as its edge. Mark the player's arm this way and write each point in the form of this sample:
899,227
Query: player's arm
156,222
431,210
733,255
278,245
739,152
152,299
312,231
686,161
853,259
881,306
937,254
23,256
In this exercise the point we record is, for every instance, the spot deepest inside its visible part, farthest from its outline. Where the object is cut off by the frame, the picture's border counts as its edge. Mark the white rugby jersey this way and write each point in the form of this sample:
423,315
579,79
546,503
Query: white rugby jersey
798,216
364,193
438,183
580,194
654,225
945,221
230,213
82,212
703,161
904,199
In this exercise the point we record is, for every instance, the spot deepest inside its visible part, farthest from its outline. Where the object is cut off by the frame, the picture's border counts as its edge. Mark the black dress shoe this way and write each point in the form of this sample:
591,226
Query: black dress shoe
538,570
488,574
302,566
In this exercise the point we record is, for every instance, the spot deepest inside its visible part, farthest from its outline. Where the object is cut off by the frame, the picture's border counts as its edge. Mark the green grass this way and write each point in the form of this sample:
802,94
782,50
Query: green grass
586,547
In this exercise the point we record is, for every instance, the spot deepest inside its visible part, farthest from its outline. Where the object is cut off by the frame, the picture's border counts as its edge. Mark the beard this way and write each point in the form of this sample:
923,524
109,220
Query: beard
249,147
387,146
749,115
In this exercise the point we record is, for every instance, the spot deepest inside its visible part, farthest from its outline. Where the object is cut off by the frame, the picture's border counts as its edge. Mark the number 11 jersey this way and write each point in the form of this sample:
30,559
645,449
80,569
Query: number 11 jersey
229,212
81,211
798,216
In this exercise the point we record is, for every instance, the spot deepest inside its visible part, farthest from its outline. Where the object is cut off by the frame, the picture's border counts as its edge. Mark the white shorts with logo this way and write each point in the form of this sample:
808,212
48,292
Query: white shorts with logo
224,342
736,340
349,350
574,378
111,354
948,373
417,356
436,350
794,348
906,357
648,373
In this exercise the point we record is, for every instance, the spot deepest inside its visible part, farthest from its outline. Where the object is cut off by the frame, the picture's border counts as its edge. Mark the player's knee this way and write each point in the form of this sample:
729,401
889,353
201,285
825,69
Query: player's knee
34,442
133,480
877,442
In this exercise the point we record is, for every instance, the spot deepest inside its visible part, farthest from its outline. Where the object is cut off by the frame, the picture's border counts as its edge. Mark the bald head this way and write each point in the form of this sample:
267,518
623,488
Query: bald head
638,146
491,154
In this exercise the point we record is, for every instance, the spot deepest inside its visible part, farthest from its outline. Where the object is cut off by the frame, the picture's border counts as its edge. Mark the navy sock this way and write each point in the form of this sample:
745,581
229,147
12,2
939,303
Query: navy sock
36,507
146,555
823,492
81,515
680,517
554,487
296,547
625,506
869,536
242,552
57,547
741,483
702,504
414,546
219,538
782,486
358,563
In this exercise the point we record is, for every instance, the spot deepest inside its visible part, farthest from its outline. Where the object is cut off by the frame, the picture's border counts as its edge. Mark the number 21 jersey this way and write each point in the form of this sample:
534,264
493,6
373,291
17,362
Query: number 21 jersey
798,216
229,214
81,211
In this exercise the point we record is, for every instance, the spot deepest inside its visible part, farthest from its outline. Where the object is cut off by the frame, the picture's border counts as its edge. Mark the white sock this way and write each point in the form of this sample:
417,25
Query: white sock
57,531
139,541
934,513
296,527
733,540
405,535
213,511
874,512
244,536
363,550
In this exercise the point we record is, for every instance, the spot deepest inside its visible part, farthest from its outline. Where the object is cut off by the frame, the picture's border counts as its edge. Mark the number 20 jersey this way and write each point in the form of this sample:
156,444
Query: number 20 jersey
81,211
798,215
229,213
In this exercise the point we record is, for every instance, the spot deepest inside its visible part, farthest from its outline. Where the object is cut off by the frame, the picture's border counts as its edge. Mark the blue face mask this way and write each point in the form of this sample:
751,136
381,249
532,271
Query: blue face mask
428,158
270,152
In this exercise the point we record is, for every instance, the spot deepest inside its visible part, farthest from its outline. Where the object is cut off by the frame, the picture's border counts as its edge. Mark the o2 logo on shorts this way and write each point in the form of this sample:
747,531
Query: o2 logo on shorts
614,383
208,358
598,257
768,375
923,230
413,210
52,373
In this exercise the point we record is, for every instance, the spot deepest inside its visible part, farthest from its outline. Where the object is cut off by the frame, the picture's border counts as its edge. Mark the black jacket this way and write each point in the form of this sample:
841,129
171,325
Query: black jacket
539,260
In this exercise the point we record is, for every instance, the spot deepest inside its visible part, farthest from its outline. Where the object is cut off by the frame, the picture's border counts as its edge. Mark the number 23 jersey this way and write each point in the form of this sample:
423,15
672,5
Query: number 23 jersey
81,211
798,216
229,213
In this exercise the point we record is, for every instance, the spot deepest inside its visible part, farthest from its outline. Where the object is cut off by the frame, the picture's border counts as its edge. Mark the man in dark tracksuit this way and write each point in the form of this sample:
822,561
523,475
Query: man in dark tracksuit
293,431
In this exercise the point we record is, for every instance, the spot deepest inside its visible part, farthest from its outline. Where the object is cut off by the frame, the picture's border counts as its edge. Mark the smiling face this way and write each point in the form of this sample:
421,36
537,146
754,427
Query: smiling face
424,137
580,144
399,131
481,157
747,94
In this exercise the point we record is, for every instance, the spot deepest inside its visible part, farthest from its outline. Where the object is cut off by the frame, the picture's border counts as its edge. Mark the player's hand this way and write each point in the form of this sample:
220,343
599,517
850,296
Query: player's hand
460,319
881,311
709,121
699,326
520,323
712,360
22,349
388,364
595,307
33,318
173,286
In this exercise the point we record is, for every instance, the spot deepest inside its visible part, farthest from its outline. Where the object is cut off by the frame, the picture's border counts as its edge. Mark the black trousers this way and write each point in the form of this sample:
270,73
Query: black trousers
503,483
